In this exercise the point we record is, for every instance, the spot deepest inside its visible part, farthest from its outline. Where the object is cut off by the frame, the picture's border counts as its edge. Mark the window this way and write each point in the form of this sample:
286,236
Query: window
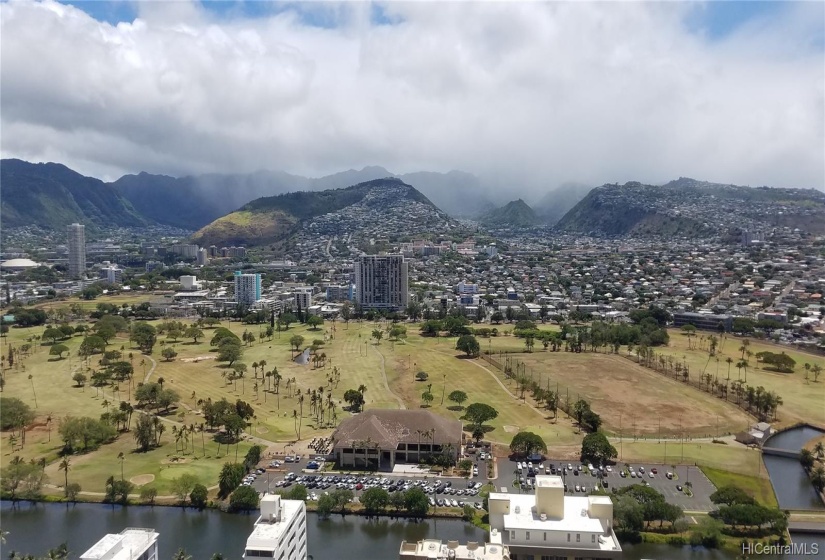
528,535
545,535
578,537
592,538
568,537
512,535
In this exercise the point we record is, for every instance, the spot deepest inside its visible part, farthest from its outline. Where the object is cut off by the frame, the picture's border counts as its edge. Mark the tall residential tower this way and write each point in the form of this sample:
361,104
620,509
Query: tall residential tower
247,288
381,282
77,250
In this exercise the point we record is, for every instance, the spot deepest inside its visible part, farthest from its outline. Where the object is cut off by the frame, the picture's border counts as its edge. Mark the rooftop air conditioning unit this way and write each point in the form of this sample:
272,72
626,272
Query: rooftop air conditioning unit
543,517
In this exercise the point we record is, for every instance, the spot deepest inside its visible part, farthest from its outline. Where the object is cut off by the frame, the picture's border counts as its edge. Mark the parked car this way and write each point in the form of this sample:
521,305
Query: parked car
654,471
651,475
679,487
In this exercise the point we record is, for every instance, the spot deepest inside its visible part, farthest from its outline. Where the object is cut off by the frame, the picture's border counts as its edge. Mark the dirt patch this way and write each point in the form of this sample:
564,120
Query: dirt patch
262,429
142,479
175,461
511,429
197,359
633,399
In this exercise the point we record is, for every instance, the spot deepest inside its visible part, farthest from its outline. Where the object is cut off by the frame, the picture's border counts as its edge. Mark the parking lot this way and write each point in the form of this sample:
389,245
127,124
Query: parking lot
279,475
588,481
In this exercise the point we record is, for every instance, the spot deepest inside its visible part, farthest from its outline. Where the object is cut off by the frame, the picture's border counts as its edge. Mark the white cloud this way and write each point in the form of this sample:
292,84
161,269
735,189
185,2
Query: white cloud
527,94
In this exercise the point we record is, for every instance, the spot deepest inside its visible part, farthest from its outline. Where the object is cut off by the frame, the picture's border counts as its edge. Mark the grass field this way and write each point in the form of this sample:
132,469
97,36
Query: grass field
632,400
802,399
621,391
733,457
759,488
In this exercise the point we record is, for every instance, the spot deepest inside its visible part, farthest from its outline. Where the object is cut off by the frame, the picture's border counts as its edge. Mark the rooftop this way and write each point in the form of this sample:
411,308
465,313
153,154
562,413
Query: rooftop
388,428
433,549
267,534
129,544
523,514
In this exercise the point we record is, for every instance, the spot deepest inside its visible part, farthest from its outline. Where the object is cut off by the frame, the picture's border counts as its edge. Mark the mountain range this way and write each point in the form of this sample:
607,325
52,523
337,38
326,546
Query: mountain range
194,201
516,213
691,208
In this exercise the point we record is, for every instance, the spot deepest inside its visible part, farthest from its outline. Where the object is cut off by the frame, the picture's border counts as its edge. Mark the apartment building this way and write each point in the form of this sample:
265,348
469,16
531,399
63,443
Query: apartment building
280,531
247,288
77,250
381,282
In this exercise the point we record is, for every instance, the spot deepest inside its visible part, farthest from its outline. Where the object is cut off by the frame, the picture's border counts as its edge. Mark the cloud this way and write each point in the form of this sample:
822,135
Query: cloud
524,95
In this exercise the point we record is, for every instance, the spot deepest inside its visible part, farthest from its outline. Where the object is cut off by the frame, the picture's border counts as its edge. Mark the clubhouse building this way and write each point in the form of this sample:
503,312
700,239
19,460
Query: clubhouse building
378,439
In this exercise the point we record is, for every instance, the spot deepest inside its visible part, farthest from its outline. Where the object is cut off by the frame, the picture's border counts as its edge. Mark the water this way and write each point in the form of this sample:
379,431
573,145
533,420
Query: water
302,358
793,439
36,528
791,484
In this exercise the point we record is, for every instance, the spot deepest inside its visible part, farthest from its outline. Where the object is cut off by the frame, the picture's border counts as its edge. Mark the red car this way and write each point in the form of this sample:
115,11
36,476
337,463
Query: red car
654,471
359,486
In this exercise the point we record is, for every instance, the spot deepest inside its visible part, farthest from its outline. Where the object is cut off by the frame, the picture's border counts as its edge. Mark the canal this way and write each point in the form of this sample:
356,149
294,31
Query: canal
36,528
791,484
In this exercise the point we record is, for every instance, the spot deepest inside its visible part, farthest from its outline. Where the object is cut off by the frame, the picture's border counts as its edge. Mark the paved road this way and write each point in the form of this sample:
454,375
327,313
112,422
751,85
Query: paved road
701,486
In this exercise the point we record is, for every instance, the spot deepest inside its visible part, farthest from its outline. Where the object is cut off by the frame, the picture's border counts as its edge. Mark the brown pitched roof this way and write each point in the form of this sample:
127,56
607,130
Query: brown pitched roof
388,428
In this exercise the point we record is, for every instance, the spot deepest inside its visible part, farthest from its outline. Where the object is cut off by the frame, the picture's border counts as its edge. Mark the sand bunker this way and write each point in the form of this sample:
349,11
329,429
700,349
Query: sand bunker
142,479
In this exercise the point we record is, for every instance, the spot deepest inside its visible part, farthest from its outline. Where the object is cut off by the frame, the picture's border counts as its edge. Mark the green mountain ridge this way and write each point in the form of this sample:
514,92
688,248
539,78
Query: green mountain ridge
516,213
51,196
691,208
275,218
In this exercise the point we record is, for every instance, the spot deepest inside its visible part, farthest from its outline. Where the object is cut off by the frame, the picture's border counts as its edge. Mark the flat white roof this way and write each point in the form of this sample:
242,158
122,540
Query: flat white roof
130,542
266,535
575,520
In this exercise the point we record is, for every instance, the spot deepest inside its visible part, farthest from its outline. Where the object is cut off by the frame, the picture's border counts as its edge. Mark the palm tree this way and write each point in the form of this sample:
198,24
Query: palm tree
295,421
31,379
729,361
121,457
817,369
65,465
819,449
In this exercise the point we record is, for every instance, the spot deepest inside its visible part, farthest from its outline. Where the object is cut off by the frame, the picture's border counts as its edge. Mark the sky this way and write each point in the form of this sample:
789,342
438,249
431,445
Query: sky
525,95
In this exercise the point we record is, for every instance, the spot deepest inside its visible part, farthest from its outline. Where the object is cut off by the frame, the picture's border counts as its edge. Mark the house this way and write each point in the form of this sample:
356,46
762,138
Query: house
756,435
378,439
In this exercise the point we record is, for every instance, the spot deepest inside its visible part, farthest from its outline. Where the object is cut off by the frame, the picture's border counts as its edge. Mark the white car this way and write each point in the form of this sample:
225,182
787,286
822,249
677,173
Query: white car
454,503
608,468
651,475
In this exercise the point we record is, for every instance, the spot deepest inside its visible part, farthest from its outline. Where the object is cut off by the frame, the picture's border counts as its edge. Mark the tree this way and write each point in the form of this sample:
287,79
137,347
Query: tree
91,345
229,350
458,397
416,502
355,399
198,496
806,458
479,413
230,477
730,495
144,335
377,334
295,341
468,344
169,353
194,333
342,497
314,321
144,432
527,443
253,457
579,408
148,494
597,449
326,503
53,334
427,397
117,491
65,465
72,491
181,555
14,413
183,485
297,492
58,350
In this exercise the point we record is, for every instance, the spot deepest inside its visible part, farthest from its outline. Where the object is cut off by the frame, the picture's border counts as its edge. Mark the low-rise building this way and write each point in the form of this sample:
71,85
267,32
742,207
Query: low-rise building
280,531
377,439
129,544
550,524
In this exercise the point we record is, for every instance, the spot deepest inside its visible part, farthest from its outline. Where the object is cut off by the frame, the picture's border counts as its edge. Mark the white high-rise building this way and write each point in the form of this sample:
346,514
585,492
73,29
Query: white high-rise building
77,250
129,544
280,532
247,288
203,257
381,282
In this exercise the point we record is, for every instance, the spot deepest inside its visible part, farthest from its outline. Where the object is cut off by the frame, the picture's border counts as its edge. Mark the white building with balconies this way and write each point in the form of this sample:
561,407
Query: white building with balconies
280,532
129,544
